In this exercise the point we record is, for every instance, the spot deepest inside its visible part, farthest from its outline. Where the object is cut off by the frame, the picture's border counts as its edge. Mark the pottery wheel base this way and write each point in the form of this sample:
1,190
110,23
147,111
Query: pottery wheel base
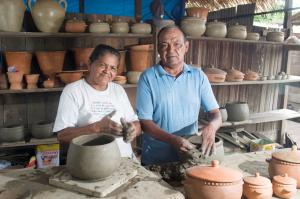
101,188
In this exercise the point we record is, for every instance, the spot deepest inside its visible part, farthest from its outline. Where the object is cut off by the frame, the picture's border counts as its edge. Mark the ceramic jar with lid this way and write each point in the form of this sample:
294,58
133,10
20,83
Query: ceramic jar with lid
141,28
237,32
211,182
120,27
216,29
99,27
253,36
251,75
75,26
275,36
215,74
193,26
257,187
284,186
234,75
286,162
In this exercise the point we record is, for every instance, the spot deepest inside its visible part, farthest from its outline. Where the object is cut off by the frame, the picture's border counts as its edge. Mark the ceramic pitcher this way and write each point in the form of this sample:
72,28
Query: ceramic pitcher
48,15
11,15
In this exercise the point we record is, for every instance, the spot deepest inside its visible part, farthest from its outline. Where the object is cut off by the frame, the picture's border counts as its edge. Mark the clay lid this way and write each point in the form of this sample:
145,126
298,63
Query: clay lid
214,173
284,179
214,71
216,22
235,72
250,72
257,180
292,156
75,20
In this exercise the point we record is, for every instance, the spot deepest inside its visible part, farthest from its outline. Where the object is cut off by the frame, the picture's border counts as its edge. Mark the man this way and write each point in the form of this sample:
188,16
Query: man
169,97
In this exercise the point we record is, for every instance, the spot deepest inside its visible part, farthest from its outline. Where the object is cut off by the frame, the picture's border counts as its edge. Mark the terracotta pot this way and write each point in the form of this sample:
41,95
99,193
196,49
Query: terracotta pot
257,187
48,15
253,36
237,32
11,15
211,182
70,76
51,62
237,111
141,28
215,75
251,76
120,27
286,162
284,186
100,152
42,130
216,29
141,57
15,80
21,60
12,133
75,25
198,12
133,77
32,80
234,75
99,27
275,36
82,56
224,114
193,26
49,83
122,63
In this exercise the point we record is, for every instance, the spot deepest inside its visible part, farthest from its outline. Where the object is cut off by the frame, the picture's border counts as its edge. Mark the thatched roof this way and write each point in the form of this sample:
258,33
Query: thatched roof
261,5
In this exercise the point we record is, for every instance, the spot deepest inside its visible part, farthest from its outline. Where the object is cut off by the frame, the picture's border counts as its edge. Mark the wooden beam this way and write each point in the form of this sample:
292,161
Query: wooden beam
287,15
138,10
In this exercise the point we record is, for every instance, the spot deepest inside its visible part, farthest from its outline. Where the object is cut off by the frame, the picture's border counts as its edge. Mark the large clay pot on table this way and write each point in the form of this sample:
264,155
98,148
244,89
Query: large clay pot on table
211,182
93,157
20,60
257,187
48,15
141,57
237,111
193,26
82,56
11,15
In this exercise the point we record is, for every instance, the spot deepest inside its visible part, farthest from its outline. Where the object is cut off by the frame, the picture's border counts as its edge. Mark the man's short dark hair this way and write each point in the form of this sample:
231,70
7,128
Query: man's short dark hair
170,27
102,50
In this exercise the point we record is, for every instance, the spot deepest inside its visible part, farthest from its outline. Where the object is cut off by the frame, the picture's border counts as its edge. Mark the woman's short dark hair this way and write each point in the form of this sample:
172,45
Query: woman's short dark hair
102,50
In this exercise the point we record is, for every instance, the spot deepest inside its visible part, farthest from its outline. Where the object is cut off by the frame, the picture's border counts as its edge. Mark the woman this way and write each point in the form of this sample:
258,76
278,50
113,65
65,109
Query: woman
96,105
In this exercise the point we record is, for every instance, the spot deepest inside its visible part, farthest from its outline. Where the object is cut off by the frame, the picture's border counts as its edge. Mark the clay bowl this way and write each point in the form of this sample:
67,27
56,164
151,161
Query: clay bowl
284,186
93,157
12,133
257,187
251,76
133,77
198,12
237,111
32,80
42,130
82,56
70,76
21,60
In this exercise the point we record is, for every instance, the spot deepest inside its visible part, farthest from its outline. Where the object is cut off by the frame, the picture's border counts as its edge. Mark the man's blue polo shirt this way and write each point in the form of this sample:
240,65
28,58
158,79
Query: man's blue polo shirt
173,104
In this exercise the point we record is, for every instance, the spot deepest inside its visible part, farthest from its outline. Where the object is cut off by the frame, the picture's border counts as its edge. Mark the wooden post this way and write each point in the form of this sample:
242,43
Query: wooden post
81,6
138,10
287,16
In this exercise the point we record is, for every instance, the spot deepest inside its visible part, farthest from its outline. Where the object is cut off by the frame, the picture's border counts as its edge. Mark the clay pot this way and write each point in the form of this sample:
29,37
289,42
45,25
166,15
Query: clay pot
133,77
120,27
286,162
193,26
237,32
216,29
15,80
160,23
198,12
141,28
82,56
141,57
251,76
237,111
252,36
48,15
257,187
275,36
122,64
51,62
211,182
42,130
120,79
284,186
234,75
70,76
49,83
99,152
99,27
224,114
21,60
11,15
215,75
32,80
12,133
75,25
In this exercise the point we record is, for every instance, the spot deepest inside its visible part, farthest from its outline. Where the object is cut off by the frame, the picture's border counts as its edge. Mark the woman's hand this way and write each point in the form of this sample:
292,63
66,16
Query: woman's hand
106,125
129,131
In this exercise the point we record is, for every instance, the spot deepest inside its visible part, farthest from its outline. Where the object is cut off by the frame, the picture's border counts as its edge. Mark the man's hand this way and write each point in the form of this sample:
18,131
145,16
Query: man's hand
181,144
129,131
208,140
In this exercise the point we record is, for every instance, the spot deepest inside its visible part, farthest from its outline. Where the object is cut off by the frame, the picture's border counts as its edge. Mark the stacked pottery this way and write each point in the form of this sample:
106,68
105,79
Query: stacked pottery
32,80
194,24
215,75
20,60
284,186
82,56
216,29
141,28
257,187
48,15
234,75
237,32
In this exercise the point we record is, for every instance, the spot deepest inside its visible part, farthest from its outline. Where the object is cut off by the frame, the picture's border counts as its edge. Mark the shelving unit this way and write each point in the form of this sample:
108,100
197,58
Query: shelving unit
32,142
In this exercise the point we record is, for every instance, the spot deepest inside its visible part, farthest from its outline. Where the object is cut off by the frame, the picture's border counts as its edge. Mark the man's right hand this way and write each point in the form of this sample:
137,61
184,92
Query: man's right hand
181,144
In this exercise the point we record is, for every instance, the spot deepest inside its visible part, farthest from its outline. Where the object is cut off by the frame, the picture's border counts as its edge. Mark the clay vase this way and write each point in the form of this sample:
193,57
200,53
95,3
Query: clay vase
211,182
82,56
93,157
12,133
216,29
257,187
48,15
284,186
11,15
141,57
193,26
237,111
51,62
160,23
32,80
15,80
42,130
20,60
122,63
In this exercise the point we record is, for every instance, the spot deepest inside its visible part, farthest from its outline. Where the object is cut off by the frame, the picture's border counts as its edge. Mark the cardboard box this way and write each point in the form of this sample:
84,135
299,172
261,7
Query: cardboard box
262,145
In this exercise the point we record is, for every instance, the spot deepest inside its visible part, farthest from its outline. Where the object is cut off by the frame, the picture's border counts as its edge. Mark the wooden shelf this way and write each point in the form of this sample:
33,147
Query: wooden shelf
32,142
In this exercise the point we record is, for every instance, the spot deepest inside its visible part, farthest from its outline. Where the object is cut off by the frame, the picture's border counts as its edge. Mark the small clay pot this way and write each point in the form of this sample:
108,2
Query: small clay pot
224,114
284,186
75,26
82,56
12,133
253,36
15,80
49,83
234,75
141,28
251,76
237,111
275,36
193,26
216,29
70,76
120,27
215,75
42,130
133,77
32,80
257,187
160,23
99,27
237,32
199,12
20,60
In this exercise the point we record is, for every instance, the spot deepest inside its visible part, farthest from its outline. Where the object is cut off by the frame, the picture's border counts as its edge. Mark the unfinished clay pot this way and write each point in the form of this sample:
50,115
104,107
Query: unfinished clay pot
284,186
42,130
234,75
99,152
122,63
82,56
141,28
141,57
257,187
286,162
15,80
199,12
237,32
20,60
120,27
216,29
12,133
48,15
211,182
253,36
133,77
11,15
237,111
32,80
51,62
75,26
193,26
70,76
275,36
251,75
215,75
